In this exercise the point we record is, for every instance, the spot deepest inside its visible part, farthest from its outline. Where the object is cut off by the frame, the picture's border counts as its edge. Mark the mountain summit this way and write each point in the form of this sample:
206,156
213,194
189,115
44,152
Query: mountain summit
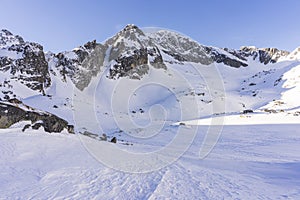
27,73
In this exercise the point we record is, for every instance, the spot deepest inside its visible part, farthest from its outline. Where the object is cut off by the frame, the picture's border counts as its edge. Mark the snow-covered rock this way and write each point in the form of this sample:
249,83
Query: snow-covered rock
252,77
21,64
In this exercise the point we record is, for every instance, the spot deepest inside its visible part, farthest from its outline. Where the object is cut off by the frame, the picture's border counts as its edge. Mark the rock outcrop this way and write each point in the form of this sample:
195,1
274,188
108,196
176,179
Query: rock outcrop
25,62
27,71
132,53
80,64
11,114
264,55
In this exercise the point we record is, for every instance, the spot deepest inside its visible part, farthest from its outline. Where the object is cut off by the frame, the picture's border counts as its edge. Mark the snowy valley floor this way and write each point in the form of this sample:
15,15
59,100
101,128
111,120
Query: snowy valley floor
248,162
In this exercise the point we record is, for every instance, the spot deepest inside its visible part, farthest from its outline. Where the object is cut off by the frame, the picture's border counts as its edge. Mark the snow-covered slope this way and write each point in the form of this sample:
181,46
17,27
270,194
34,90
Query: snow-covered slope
24,70
88,78
294,55
148,91
249,162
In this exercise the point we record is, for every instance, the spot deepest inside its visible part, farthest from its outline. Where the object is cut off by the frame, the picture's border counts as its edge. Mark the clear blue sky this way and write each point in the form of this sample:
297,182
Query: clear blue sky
65,24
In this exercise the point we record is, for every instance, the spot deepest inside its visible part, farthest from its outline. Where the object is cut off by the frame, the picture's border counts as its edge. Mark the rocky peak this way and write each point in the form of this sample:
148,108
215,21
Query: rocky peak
271,50
91,45
248,48
132,53
125,42
5,32
294,54
80,64
180,47
8,39
264,55
25,62
131,28
130,36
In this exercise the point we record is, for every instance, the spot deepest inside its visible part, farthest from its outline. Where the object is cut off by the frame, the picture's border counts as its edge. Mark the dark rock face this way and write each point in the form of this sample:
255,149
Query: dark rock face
239,58
7,38
135,65
237,54
83,64
130,53
10,115
247,111
265,55
133,54
181,48
34,66
156,58
113,140
216,56
25,61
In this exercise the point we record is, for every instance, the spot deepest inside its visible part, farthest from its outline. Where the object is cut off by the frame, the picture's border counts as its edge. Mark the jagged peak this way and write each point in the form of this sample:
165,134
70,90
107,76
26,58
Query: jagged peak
130,36
8,39
6,32
129,30
267,49
174,41
243,48
130,27
171,38
169,33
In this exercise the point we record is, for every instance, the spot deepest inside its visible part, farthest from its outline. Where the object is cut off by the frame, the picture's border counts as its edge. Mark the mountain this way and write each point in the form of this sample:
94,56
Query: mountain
294,54
131,51
57,83
24,61
220,123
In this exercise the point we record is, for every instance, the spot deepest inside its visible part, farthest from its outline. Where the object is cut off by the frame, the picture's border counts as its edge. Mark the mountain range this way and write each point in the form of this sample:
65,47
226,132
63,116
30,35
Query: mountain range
46,89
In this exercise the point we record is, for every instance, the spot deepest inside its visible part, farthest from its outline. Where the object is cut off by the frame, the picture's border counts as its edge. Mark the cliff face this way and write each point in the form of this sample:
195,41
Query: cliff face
11,114
130,53
23,62
26,71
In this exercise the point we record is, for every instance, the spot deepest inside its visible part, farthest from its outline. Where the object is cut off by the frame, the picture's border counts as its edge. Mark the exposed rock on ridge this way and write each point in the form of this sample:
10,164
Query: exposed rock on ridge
10,115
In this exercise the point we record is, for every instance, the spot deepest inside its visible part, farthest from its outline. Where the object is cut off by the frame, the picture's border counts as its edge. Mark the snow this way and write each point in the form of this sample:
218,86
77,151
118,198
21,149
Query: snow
10,54
15,86
70,55
251,156
248,162
248,119
61,94
181,132
294,55
290,90
7,40
229,55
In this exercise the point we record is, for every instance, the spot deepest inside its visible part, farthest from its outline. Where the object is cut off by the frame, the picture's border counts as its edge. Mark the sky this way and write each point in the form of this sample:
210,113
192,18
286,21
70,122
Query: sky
61,25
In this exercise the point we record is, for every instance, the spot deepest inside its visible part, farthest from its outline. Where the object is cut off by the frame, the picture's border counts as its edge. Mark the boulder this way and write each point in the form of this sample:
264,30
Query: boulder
10,115
113,140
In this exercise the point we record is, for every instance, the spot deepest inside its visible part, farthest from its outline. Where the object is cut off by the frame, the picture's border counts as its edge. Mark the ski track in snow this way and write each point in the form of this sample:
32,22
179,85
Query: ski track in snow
248,162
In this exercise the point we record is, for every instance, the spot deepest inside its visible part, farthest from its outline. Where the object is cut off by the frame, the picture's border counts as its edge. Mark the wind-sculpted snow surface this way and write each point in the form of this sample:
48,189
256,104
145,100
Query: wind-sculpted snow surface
249,162
156,115
144,110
